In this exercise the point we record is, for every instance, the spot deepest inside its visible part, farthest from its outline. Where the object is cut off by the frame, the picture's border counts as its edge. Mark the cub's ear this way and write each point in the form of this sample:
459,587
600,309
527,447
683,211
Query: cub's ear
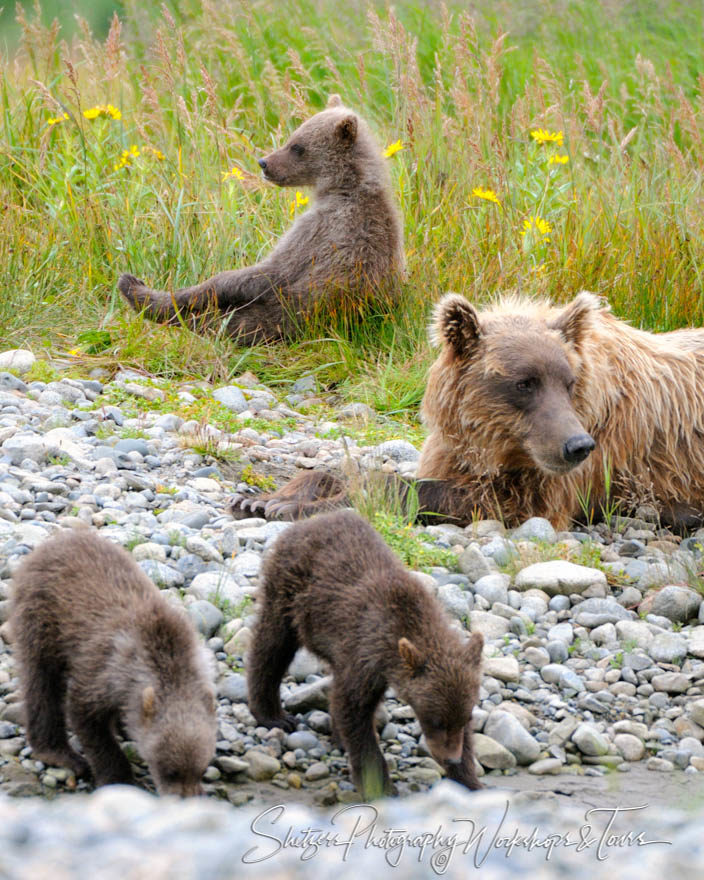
574,319
456,324
334,101
346,129
411,656
148,704
473,649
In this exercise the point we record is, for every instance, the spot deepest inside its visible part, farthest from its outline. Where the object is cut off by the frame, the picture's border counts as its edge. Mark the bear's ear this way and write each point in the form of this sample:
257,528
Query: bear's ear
573,320
346,129
148,704
334,101
473,649
456,324
411,656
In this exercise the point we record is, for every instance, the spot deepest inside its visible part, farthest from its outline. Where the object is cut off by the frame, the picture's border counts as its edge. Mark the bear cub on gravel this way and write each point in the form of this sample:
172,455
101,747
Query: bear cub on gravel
331,584
99,647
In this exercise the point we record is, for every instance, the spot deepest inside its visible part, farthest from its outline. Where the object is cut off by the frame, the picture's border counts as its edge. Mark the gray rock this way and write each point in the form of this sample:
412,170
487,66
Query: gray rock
217,586
317,770
24,445
595,612
397,450
503,668
133,444
668,648
589,741
309,696
490,625
678,604
492,754
670,682
162,575
454,600
302,739
260,765
631,748
206,617
559,577
493,588
546,767
12,383
505,729
474,564
536,528
231,397
232,687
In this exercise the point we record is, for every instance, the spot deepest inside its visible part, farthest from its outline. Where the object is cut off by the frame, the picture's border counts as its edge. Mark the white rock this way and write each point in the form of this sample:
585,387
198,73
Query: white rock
559,577
18,359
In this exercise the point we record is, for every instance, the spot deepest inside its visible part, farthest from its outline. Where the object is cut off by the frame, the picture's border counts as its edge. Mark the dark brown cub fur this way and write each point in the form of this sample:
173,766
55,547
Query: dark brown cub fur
97,646
332,585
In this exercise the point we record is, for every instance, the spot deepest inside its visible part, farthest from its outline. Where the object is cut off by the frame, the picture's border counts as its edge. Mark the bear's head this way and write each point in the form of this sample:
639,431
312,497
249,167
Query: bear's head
175,735
333,149
442,686
510,380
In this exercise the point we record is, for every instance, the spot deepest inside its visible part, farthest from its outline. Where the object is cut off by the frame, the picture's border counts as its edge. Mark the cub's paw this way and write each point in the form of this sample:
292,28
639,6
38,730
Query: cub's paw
133,290
285,722
243,505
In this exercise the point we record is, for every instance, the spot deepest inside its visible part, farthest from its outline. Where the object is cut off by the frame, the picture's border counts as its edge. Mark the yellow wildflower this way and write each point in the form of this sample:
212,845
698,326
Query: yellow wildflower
55,120
536,224
558,160
233,172
102,110
126,157
543,136
392,149
75,352
153,150
539,269
487,194
298,201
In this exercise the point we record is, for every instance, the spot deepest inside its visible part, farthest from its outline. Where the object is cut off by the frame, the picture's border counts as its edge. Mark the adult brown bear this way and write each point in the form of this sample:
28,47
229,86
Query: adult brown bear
532,409
345,251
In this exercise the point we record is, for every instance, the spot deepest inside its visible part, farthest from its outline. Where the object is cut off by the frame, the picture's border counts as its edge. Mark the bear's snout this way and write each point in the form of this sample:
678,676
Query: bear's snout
577,448
262,164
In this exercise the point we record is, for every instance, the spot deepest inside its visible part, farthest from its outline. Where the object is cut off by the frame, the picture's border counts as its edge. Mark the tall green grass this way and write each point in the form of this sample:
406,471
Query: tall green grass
211,86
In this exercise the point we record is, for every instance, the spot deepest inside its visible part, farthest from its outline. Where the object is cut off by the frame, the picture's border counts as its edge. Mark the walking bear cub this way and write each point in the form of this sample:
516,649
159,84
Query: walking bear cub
98,646
344,251
331,584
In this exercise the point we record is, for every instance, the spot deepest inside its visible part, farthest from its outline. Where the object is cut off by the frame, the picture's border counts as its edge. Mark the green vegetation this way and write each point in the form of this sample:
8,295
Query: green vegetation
261,481
114,155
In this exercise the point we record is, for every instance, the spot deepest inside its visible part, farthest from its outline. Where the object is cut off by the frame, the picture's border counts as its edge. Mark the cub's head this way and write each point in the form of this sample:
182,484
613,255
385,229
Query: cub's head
442,686
176,737
324,150
513,375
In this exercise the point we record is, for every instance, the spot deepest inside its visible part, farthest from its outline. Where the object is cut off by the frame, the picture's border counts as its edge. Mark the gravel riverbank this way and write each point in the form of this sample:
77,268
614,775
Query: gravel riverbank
594,660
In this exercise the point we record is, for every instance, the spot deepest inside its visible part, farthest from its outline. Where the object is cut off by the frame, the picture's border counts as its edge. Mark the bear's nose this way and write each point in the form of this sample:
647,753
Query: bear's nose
577,448
262,164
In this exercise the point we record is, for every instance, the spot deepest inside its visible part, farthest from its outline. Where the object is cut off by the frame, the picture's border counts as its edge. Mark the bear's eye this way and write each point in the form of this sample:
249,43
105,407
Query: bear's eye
527,386
297,149
570,387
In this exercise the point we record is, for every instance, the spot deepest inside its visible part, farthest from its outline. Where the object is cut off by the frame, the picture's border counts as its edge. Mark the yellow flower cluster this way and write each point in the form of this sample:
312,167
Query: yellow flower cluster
543,136
127,157
102,110
298,201
392,149
233,172
557,159
535,224
154,152
487,194
55,120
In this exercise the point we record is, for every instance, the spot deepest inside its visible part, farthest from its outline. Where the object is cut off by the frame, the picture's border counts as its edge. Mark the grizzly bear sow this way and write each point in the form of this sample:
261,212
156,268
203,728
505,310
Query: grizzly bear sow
99,646
332,585
532,408
346,249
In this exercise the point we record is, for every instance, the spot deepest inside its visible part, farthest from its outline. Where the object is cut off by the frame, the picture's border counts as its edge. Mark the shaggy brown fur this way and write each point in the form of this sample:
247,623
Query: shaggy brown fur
98,645
343,251
333,585
517,398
